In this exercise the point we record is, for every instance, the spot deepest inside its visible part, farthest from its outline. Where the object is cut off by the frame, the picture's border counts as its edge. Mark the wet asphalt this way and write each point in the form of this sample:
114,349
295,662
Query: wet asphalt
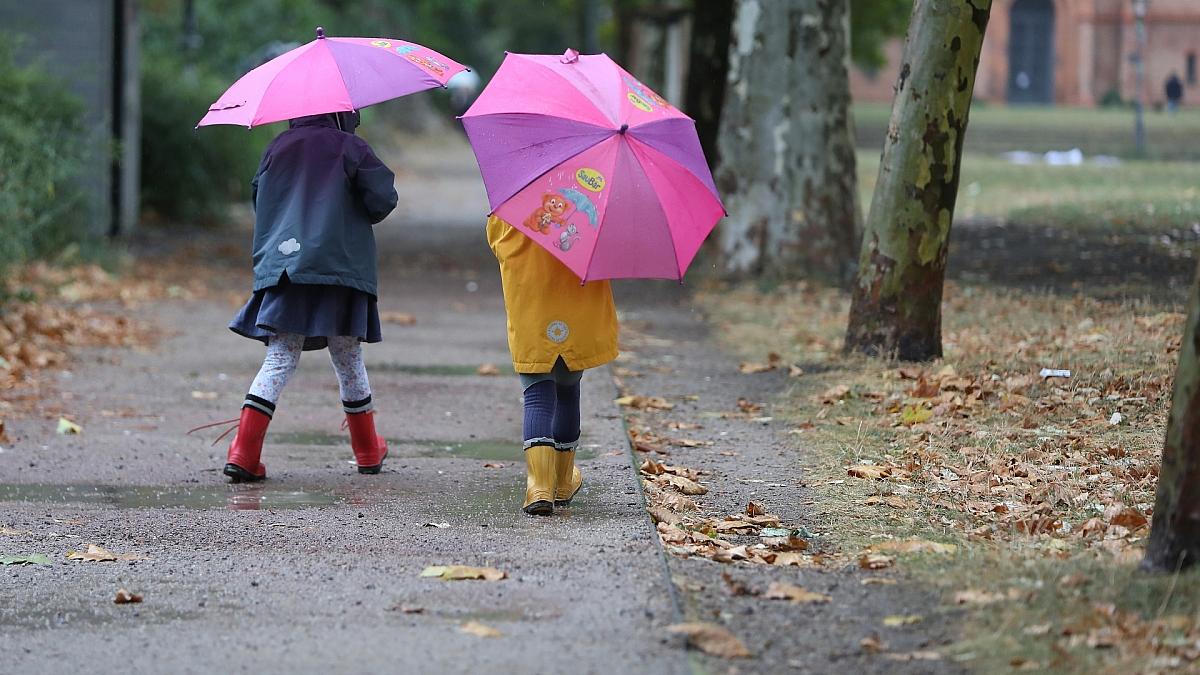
312,571
318,569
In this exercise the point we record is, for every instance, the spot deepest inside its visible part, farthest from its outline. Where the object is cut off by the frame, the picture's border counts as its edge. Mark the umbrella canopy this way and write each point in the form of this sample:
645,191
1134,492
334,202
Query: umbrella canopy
593,165
330,75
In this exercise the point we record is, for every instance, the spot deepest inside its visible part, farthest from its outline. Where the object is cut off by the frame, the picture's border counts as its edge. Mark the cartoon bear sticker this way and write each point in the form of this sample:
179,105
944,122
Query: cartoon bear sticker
549,213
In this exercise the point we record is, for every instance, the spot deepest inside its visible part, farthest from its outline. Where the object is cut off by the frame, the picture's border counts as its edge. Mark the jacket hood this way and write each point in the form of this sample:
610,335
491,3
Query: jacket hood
345,121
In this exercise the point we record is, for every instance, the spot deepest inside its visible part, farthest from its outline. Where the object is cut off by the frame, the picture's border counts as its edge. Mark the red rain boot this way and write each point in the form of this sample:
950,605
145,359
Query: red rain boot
369,447
246,448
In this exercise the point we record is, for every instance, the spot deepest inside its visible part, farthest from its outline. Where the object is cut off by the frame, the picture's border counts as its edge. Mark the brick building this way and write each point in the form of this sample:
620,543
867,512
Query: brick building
1069,52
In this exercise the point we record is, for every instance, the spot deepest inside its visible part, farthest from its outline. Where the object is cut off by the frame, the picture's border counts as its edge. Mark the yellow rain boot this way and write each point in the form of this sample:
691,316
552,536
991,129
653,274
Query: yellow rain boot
539,480
566,475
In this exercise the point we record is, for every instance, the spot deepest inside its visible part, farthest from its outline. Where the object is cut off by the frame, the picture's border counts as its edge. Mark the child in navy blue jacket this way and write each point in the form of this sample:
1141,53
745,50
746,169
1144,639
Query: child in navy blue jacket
317,194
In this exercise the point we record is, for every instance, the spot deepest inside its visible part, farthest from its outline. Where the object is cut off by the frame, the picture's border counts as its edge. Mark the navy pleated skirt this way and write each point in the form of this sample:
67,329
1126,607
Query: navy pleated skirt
316,311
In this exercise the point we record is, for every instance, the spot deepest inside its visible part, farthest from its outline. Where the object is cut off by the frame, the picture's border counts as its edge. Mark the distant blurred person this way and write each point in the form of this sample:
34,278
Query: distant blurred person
463,88
317,194
1174,91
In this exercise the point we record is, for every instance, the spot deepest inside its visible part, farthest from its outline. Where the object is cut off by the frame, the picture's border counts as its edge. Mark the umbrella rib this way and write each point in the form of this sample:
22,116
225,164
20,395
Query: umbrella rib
634,150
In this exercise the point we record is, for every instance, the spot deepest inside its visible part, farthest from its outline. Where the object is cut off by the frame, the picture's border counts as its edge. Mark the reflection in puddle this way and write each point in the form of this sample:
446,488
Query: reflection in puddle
459,370
235,497
486,449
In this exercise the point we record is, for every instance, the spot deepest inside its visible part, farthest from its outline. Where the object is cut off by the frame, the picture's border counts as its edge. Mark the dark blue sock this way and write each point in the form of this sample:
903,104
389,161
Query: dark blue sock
539,411
566,413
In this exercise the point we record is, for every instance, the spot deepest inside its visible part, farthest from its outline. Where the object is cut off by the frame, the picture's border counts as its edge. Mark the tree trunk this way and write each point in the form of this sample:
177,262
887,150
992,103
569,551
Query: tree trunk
787,171
1175,528
708,63
896,309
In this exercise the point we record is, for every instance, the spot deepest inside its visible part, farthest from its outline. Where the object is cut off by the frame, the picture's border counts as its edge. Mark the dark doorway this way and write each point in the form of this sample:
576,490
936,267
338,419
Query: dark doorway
1031,52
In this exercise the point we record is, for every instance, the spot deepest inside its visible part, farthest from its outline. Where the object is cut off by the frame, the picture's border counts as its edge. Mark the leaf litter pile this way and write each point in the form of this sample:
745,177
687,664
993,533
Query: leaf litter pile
47,312
1036,438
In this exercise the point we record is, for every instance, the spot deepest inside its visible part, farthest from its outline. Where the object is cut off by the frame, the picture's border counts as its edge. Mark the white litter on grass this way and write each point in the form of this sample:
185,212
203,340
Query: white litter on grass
1115,419
1054,372
1072,157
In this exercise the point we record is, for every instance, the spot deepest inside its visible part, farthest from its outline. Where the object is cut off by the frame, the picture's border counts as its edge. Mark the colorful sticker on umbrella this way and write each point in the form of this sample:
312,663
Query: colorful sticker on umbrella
382,44
583,204
428,63
405,49
641,96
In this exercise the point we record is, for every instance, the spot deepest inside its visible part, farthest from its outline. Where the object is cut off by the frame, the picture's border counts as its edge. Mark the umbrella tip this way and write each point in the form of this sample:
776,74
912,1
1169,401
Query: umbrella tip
320,33
623,129
570,56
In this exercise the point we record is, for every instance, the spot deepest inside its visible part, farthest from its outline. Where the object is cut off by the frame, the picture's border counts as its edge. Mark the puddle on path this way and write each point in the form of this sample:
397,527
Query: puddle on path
500,505
437,370
204,497
485,449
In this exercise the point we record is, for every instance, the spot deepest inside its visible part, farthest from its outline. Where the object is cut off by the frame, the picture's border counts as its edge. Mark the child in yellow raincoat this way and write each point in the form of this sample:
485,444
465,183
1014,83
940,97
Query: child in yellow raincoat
557,328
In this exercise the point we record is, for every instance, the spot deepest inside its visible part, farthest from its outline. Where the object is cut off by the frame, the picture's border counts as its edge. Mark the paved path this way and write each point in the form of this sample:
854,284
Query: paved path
307,572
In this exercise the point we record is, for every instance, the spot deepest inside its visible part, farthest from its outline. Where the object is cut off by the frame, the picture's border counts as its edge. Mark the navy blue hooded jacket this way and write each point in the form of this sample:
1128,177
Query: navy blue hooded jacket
317,192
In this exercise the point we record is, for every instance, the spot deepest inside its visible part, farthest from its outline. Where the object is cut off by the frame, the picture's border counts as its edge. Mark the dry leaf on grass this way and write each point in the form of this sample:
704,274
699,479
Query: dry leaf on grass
8,532
493,465
755,509
748,368
875,561
95,553
796,594
835,394
66,426
487,369
398,318
479,629
869,471
1128,517
204,395
913,546
463,572
711,639
889,500
125,597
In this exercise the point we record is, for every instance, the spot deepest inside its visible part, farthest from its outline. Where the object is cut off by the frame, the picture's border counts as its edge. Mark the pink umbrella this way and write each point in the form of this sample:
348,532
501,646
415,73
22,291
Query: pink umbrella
593,165
330,75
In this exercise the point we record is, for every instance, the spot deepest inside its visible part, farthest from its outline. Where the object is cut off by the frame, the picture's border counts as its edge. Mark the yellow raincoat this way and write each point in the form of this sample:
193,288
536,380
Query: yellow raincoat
549,313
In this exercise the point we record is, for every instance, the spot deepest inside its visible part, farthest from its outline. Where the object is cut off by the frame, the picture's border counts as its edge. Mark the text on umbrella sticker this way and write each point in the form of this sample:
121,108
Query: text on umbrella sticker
590,179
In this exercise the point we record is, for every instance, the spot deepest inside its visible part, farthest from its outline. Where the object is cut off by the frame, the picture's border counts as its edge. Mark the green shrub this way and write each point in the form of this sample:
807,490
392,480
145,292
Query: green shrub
42,149
191,174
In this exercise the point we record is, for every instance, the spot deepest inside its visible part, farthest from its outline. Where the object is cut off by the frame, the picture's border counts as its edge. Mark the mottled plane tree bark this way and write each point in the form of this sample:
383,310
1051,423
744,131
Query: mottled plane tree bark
787,165
896,307
1175,526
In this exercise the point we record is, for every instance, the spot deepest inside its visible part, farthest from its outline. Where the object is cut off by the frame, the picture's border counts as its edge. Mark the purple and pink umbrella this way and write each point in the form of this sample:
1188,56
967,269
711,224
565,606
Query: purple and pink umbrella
330,74
593,165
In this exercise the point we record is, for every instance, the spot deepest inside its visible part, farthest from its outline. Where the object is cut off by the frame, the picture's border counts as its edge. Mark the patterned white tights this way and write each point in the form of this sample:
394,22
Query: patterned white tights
283,355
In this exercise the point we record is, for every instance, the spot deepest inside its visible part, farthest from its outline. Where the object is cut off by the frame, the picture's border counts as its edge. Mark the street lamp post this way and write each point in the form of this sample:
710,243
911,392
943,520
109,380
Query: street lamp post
1139,69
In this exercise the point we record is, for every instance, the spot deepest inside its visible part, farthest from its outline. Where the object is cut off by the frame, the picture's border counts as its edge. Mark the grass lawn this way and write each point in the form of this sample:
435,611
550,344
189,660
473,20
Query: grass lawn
1043,486
1133,196
997,129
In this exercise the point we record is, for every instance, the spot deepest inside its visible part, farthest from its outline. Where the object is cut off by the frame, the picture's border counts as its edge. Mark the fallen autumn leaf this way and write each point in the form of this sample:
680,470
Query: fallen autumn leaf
711,639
